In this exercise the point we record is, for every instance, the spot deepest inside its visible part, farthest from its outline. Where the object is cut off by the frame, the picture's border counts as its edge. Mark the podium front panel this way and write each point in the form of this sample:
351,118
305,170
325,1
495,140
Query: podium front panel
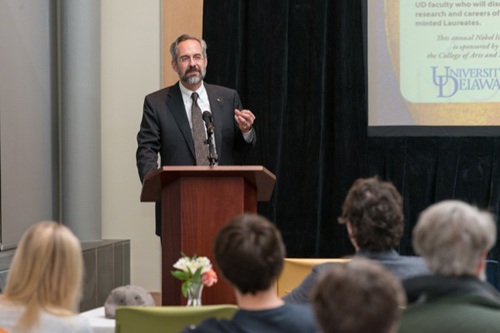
193,210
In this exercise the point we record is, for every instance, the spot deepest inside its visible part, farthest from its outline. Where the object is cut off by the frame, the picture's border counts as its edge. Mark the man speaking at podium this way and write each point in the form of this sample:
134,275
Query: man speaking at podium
175,119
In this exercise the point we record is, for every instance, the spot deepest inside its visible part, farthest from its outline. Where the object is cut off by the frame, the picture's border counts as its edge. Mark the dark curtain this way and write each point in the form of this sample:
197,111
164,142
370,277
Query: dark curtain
428,170
299,66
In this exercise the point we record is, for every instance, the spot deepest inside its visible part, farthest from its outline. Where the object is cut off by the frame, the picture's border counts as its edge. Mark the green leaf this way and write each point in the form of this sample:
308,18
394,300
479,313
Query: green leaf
180,275
197,275
184,289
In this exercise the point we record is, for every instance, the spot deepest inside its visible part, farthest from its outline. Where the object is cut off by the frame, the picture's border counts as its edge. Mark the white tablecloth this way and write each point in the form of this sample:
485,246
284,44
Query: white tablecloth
99,323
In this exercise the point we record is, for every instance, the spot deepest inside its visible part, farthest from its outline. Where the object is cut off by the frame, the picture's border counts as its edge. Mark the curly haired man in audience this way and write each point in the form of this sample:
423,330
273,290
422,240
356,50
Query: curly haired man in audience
373,215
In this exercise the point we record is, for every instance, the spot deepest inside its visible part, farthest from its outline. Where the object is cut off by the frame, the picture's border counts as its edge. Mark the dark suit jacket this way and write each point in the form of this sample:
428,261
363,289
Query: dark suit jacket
165,130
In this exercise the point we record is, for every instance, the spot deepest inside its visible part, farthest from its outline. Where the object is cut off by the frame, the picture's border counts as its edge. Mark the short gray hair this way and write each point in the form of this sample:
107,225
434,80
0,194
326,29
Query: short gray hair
451,236
182,38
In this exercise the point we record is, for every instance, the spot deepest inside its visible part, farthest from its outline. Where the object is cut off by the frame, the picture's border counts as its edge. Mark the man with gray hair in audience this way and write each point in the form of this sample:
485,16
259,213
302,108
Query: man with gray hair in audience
454,239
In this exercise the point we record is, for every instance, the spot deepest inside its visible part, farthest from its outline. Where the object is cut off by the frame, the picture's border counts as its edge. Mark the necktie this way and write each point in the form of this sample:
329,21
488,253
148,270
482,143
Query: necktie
199,134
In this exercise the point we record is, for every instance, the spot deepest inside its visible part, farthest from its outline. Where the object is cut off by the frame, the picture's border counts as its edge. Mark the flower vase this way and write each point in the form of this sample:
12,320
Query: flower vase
194,294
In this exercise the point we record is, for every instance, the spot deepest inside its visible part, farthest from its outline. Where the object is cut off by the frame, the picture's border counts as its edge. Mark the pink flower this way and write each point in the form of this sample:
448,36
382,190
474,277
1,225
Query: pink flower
209,278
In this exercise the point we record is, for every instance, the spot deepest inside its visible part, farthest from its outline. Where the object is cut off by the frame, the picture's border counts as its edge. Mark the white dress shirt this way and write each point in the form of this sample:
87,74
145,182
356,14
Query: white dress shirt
204,105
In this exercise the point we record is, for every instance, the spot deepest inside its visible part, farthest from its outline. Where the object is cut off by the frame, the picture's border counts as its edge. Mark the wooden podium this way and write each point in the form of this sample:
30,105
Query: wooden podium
196,202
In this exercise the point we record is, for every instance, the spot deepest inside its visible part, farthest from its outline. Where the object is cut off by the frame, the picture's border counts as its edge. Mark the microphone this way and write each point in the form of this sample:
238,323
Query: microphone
207,117
212,153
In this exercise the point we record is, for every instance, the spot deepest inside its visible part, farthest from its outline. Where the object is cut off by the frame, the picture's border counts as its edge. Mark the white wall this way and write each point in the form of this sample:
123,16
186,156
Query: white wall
131,68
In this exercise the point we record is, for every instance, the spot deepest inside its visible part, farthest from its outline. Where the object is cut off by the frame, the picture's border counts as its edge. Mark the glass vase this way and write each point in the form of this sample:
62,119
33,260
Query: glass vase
194,294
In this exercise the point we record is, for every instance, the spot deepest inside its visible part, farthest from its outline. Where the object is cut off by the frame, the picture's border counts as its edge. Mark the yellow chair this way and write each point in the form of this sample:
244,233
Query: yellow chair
295,271
166,319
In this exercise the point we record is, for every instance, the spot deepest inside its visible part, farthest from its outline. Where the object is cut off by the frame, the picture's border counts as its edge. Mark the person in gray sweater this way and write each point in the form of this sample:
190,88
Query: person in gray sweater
373,215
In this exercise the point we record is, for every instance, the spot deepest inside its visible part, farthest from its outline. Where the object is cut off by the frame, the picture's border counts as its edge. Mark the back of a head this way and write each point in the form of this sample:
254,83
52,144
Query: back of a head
249,252
452,236
357,297
374,209
46,272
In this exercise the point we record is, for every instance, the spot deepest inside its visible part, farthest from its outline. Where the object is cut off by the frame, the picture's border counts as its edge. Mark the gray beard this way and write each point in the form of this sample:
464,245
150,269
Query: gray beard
192,79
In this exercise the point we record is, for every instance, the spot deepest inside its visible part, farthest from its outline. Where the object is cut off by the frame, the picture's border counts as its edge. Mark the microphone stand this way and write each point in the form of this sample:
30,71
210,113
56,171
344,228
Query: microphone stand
212,154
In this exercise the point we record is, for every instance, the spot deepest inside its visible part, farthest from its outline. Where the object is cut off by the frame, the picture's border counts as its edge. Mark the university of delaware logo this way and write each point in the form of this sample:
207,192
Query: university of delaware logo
451,81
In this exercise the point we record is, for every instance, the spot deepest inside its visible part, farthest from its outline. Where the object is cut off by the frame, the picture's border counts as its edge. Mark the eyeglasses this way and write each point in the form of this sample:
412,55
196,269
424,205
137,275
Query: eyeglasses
196,58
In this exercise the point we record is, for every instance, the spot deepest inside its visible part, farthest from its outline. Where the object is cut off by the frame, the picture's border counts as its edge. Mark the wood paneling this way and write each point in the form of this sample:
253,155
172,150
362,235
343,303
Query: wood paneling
179,17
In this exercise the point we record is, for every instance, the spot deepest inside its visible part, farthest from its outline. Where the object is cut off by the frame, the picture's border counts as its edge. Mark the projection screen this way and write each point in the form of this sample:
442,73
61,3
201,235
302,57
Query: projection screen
433,67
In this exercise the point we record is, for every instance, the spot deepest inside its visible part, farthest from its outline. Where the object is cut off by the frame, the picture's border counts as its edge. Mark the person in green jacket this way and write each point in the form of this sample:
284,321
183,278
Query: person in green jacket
453,238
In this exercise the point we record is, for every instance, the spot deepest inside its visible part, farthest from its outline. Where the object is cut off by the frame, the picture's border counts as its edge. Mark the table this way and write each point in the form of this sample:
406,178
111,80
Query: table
98,321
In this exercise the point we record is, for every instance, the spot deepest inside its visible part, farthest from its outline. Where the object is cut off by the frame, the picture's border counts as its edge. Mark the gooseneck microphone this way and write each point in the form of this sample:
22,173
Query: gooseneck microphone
207,117
212,152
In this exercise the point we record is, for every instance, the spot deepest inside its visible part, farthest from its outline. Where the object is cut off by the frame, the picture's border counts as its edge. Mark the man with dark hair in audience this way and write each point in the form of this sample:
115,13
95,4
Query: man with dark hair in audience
249,252
358,297
454,239
373,215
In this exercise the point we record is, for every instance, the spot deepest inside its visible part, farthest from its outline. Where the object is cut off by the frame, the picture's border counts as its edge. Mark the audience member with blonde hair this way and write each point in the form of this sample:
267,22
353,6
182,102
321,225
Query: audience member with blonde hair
454,239
357,297
44,283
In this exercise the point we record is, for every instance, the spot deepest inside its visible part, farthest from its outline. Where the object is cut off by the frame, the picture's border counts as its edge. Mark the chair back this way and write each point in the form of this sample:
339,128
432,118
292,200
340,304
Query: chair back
493,273
167,319
296,269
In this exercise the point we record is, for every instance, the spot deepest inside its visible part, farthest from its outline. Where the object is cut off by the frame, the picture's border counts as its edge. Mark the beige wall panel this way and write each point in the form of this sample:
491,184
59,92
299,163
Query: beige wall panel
132,35
131,68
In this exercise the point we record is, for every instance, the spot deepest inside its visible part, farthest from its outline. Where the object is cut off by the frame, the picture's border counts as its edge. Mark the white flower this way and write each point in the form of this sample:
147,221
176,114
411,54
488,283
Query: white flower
204,262
186,263
182,264
192,266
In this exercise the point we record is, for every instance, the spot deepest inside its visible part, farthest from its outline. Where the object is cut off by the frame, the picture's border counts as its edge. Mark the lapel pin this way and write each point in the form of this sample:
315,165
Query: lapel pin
218,99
